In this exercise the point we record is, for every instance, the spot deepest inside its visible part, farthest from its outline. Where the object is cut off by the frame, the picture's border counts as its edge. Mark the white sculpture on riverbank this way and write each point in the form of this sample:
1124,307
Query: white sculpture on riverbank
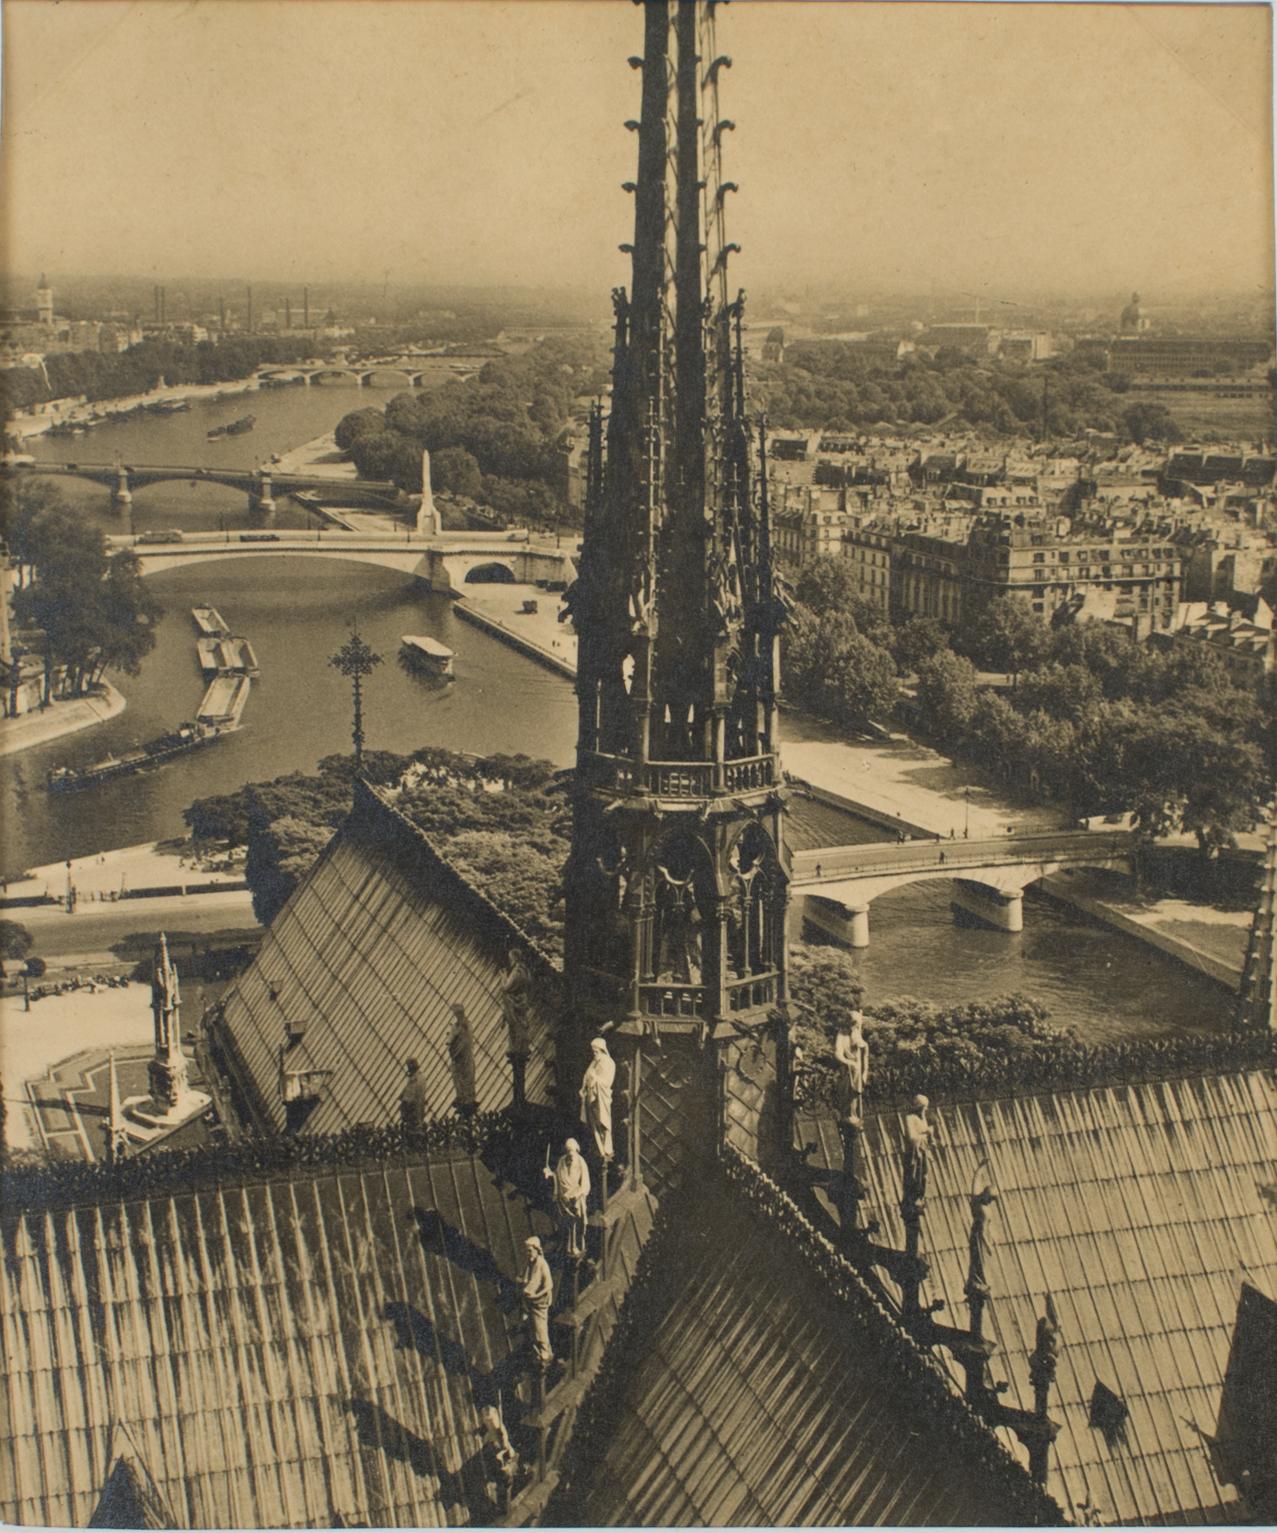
429,524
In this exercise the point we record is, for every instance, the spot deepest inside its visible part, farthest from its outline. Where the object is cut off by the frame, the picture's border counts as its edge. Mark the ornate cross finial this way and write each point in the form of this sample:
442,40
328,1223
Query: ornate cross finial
355,660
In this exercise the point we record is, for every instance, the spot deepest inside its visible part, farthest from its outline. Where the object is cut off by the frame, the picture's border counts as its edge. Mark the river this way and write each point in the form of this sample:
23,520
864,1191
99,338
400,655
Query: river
1101,982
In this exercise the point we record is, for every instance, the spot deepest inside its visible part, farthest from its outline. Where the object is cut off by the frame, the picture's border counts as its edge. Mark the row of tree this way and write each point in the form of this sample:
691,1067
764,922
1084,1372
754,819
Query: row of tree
903,1033
830,385
1092,719
500,819
83,610
493,437
116,375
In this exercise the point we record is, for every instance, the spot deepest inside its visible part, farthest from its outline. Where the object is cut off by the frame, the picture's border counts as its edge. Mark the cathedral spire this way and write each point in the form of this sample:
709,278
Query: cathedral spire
1257,998
675,896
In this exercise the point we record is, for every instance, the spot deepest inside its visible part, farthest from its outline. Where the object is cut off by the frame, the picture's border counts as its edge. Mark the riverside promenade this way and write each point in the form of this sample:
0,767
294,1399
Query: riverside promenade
65,717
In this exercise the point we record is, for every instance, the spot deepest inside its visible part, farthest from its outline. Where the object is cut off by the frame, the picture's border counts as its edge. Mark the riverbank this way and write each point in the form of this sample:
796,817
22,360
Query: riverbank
320,456
66,717
538,635
58,411
118,874
1213,942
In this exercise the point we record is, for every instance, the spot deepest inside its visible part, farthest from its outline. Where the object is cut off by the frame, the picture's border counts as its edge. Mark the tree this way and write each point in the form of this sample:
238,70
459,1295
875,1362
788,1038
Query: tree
456,472
1007,635
1145,422
903,1033
94,610
15,940
917,640
834,670
947,693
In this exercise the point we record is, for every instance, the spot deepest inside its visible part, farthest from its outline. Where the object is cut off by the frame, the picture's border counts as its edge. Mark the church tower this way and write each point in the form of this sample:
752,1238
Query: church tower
676,891
44,303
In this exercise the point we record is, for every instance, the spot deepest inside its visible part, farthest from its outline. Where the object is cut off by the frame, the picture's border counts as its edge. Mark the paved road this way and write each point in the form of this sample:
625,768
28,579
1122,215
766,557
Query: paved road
92,932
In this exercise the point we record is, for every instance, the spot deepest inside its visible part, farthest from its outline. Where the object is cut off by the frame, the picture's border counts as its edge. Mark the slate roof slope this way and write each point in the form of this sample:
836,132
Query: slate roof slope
280,1352
375,946
756,1400
1142,1209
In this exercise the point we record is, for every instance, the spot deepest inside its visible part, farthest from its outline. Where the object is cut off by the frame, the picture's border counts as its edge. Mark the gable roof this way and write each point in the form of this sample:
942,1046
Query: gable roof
1142,1209
373,949
281,1351
757,1399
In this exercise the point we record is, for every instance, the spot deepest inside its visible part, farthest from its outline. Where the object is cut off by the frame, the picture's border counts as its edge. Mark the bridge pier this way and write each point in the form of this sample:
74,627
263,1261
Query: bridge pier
848,924
1002,909
260,497
122,496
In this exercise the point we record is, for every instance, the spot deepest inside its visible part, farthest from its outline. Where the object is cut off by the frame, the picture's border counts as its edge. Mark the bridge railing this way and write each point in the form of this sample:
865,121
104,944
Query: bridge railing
835,863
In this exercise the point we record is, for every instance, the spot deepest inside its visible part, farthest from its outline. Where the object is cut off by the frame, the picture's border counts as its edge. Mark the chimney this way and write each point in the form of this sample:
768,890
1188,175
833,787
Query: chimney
248,324
288,314
306,308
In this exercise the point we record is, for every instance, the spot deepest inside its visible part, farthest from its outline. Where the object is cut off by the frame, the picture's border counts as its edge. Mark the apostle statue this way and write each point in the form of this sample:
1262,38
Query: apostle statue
852,1052
536,1289
917,1133
596,1097
571,1178
516,1002
461,1060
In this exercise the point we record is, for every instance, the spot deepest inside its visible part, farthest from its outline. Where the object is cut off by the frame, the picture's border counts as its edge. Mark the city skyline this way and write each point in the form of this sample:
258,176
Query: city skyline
1005,149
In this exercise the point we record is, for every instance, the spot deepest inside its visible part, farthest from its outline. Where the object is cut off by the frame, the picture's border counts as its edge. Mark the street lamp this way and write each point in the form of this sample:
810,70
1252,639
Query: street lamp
355,660
966,823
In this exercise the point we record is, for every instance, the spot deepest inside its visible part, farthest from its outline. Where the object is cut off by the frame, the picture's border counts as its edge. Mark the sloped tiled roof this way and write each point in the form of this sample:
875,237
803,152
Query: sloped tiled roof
757,1401
378,942
1142,1209
281,1352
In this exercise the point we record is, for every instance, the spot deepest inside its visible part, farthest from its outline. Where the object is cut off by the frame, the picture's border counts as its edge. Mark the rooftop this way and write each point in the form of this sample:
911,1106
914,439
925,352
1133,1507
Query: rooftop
1142,1210
285,1350
367,960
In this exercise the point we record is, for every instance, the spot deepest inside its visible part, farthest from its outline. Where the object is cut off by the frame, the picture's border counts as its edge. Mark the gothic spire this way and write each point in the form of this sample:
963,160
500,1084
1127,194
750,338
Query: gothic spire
676,607
675,896
1257,998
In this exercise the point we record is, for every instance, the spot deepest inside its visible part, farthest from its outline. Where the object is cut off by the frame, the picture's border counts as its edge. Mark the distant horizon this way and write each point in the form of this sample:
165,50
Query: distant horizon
811,292
1014,151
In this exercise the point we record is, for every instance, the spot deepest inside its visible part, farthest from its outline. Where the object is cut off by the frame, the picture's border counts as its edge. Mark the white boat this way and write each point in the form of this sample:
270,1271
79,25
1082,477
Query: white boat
420,652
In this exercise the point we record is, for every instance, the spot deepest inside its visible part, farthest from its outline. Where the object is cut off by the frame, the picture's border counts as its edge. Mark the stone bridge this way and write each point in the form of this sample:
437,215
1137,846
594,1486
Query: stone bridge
989,875
260,484
367,374
445,563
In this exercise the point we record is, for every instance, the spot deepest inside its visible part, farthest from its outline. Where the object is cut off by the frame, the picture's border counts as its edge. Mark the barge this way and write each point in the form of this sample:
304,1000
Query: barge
178,742
210,622
425,655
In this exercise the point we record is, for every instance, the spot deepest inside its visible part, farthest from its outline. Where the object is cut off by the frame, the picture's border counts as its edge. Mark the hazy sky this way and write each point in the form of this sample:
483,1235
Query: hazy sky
1004,148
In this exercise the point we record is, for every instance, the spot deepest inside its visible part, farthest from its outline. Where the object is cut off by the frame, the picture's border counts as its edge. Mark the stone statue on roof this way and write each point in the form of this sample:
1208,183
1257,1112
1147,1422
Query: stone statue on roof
571,1178
536,1289
851,1050
917,1135
461,1061
516,1003
596,1097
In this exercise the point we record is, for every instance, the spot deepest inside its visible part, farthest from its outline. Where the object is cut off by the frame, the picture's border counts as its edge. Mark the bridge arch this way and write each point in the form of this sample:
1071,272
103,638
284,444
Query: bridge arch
493,572
321,373
379,377
158,560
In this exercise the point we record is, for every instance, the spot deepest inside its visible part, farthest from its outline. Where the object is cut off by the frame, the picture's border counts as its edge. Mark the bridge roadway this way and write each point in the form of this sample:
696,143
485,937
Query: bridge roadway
990,875
122,478
445,561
